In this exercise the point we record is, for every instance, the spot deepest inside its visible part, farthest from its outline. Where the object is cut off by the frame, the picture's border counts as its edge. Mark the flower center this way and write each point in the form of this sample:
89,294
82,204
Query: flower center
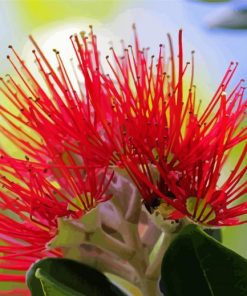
84,202
199,210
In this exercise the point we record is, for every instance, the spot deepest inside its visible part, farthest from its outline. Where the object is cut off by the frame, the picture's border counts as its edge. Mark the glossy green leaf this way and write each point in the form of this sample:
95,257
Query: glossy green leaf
197,265
63,277
51,287
215,233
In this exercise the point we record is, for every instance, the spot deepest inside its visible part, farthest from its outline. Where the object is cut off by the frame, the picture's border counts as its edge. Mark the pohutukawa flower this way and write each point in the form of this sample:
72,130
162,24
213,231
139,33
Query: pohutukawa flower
173,149
24,229
65,152
32,198
47,121
142,119
55,190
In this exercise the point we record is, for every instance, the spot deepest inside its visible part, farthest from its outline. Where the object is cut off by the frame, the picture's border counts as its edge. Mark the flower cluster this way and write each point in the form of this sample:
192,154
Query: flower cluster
142,119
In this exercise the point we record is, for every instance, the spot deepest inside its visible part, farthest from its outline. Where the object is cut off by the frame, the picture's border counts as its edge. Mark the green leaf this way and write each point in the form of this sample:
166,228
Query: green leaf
197,265
51,287
215,233
63,277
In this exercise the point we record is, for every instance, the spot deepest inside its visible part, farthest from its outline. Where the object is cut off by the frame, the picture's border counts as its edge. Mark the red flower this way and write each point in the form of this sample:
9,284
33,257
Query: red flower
54,190
23,235
32,197
57,117
141,119
65,172
174,150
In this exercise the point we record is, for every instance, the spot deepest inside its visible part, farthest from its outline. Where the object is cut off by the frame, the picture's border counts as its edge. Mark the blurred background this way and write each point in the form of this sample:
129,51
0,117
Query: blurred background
216,30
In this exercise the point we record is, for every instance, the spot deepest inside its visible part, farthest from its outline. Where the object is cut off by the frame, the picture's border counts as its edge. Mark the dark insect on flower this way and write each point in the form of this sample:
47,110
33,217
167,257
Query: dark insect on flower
152,204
